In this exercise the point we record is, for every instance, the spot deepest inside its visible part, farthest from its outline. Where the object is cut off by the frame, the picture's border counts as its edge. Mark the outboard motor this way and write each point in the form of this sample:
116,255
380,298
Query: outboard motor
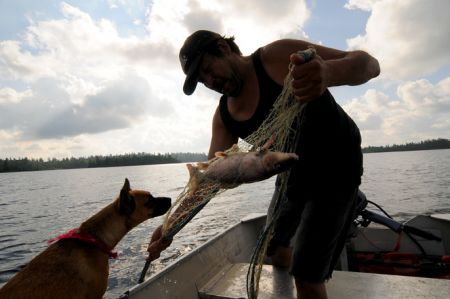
364,217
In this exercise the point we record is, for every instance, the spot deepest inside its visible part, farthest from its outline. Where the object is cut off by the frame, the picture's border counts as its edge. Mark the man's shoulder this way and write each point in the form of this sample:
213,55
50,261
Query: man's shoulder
275,57
283,48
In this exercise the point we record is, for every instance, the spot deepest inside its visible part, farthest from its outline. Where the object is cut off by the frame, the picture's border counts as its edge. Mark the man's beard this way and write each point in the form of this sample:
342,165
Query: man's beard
236,83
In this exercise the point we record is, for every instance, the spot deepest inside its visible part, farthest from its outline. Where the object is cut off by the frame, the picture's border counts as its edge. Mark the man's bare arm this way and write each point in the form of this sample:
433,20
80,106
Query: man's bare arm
330,67
221,138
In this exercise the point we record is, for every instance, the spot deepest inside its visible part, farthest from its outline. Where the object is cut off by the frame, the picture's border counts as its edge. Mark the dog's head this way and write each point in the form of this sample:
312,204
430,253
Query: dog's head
139,205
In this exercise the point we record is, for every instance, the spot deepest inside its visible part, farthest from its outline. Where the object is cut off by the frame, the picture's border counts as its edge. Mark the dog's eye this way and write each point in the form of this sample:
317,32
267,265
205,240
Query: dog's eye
149,201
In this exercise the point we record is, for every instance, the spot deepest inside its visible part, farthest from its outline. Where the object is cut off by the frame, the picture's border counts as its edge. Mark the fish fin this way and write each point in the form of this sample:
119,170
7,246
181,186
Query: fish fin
202,165
193,177
269,142
234,148
221,154
190,168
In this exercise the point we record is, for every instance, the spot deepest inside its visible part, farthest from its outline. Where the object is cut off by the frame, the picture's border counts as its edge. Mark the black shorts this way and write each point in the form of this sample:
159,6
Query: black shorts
320,219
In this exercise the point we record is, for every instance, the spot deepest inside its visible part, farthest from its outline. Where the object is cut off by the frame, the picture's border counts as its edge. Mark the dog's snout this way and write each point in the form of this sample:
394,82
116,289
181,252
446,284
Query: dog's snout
162,206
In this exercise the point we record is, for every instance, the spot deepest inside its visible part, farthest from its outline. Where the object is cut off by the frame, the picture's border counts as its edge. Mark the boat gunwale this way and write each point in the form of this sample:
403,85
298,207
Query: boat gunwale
253,217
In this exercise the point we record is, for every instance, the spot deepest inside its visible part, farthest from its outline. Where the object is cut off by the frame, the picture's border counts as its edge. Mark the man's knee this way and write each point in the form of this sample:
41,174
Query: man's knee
282,256
310,290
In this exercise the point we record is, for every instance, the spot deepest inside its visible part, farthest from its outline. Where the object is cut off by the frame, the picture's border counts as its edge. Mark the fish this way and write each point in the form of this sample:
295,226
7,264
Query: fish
236,167
226,171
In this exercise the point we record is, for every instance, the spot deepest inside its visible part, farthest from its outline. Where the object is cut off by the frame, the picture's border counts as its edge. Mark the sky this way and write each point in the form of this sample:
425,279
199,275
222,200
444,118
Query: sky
99,77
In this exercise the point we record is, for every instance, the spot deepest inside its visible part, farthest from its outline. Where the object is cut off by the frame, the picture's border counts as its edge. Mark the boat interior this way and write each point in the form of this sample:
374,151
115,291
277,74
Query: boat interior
218,269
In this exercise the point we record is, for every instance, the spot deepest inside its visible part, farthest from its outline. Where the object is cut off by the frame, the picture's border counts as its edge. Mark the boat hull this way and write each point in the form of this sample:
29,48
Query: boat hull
218,268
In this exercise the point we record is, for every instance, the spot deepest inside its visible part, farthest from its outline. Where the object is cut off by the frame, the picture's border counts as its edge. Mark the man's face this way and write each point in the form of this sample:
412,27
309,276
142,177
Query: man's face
220,74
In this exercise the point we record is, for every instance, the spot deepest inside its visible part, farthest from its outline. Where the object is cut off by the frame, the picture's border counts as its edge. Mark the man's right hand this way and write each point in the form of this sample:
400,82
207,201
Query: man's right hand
310,79
157,244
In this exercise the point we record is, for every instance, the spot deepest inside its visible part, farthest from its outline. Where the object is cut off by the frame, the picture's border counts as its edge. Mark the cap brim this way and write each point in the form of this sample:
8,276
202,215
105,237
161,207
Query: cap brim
190,83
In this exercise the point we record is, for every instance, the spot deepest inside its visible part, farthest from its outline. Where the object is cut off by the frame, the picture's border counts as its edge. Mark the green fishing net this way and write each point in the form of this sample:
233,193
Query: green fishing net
200,190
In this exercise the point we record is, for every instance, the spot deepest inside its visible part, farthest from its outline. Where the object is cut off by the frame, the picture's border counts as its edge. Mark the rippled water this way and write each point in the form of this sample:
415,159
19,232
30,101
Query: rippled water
36,206
409,183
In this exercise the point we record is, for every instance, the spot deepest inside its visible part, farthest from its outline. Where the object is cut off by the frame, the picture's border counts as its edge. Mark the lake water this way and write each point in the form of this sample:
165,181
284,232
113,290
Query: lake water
36,206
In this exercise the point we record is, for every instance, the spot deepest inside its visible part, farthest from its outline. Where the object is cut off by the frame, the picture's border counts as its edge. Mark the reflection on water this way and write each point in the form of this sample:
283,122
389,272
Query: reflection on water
36,206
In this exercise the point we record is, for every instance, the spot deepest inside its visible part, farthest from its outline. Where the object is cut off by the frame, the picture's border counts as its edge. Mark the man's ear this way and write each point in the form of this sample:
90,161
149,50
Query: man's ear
223,46
126,201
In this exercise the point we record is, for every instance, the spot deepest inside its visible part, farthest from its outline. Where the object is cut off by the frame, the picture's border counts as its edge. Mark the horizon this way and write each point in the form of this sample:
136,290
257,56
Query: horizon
204,153
102,77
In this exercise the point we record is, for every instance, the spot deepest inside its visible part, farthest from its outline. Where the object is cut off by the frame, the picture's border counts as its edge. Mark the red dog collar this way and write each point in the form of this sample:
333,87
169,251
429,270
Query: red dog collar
86,238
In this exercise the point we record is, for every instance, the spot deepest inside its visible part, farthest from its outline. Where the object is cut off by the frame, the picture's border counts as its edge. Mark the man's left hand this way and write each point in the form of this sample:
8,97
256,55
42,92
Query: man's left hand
157,244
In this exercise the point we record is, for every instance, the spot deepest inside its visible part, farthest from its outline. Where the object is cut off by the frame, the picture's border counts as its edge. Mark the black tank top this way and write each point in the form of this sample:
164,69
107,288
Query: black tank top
268,93
329,142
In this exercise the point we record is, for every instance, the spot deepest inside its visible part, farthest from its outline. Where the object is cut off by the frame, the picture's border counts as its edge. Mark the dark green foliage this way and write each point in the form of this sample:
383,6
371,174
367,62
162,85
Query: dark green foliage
25,164
189,157
423,145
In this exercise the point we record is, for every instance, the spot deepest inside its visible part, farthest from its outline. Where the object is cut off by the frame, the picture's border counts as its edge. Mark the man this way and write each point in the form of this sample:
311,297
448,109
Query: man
322,188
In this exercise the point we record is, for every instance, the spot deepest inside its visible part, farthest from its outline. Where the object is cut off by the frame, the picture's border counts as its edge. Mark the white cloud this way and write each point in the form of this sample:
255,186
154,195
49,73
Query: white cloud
73,63
74,86
119,105
78,46
421,111
424,96
89,85
409,37
274,19
19,64
174,20
9,95
361,4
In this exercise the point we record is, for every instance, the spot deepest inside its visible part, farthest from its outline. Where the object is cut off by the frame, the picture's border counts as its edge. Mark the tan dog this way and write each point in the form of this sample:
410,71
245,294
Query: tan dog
76,266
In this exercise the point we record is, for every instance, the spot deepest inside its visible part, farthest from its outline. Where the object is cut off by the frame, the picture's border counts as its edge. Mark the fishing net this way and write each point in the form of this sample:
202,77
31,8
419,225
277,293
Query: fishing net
281,123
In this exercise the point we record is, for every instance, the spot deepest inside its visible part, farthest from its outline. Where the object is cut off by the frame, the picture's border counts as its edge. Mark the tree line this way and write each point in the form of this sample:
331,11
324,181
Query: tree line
26,164
432,144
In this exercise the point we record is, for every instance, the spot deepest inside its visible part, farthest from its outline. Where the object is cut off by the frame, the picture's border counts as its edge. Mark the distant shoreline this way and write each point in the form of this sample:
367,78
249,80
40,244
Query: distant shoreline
420,146
393,151
134,159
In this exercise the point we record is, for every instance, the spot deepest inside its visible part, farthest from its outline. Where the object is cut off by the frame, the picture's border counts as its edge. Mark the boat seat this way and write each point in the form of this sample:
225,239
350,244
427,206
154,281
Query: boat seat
276,283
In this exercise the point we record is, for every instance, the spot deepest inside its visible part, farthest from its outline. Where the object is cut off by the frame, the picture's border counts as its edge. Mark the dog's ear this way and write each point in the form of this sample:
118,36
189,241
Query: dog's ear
126,185
126,201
